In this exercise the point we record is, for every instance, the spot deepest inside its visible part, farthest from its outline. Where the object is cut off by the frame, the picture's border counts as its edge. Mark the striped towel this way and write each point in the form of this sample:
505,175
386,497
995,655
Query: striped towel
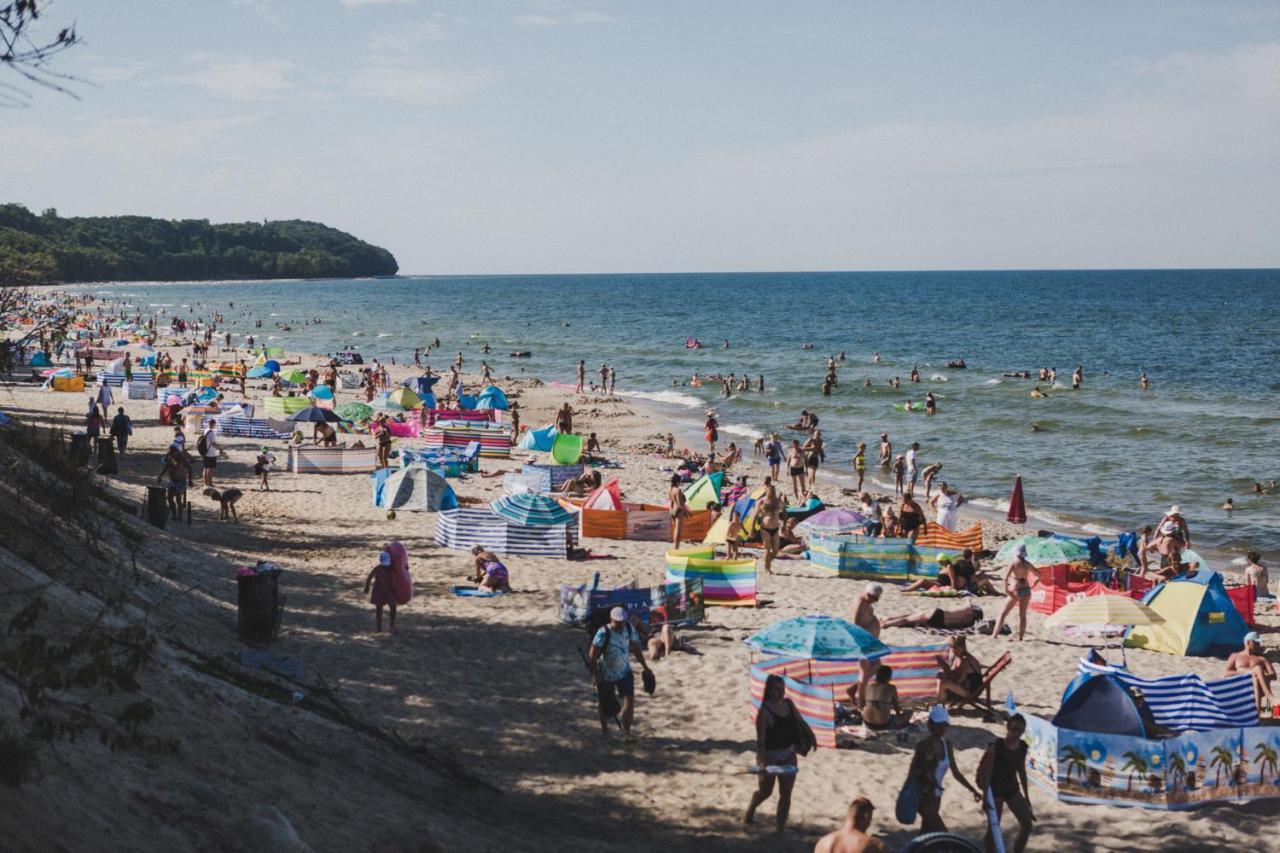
1188,702
936,536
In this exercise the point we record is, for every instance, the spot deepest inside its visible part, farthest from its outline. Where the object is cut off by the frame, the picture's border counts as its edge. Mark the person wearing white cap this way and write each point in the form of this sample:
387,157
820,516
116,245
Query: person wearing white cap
933,757
1172,536
1017,590
1251,659
610,665
864,616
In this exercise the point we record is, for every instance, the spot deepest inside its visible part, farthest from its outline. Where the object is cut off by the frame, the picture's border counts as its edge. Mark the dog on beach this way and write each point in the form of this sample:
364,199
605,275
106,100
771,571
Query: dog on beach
226,501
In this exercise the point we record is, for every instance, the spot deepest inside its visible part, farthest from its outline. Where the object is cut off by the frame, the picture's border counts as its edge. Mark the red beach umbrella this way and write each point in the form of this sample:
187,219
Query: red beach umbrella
1017,508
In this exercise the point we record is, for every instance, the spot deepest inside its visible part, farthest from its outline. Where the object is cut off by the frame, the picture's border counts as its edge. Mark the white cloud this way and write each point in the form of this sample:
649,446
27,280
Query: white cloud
416,85
107,73
360,4
243,79
556,14
533,20
408,36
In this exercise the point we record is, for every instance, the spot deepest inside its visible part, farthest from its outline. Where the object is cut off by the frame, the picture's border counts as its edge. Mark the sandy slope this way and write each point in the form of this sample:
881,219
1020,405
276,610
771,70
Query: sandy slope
500,682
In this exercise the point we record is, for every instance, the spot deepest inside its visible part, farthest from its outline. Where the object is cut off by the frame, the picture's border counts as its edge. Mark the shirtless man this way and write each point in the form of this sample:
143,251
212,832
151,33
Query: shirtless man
864,616
886,450
852,836
964,616
582,375
1251,660
1017,589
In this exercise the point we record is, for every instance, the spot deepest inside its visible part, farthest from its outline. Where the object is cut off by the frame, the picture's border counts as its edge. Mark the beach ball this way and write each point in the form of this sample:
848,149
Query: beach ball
391,515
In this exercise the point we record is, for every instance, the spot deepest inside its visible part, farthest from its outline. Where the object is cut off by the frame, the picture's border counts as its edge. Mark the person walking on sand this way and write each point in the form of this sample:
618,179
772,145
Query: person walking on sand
121,429
610,663
860,464
383,595
209,451
770,523
582,375
1002,777
933,757
781,735
773,454
813,453
1017,588
795,468
678,508
853,835
564,420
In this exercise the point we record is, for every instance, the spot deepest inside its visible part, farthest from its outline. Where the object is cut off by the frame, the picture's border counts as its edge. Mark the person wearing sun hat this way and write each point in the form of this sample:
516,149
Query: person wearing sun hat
933,757
610,664
1253,660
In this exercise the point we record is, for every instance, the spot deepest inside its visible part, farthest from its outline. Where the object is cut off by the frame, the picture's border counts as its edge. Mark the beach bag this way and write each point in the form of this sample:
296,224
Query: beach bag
805,739
202,445
908,805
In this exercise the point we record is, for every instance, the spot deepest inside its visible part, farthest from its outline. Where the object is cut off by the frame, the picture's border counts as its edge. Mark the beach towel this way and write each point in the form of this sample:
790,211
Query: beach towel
473,592
934,535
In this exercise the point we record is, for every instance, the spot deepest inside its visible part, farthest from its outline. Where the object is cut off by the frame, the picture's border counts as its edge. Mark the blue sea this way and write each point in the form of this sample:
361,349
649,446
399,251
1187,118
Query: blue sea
1107,457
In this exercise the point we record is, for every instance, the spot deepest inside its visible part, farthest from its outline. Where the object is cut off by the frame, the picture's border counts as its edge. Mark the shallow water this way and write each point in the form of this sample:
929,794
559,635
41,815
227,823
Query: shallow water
1109,456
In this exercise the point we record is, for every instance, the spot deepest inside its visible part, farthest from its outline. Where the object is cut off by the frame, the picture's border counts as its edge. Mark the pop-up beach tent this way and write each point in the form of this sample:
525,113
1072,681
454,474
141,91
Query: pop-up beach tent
538,439
1102,703
492,398
566,449
703,491
1199,618
414,488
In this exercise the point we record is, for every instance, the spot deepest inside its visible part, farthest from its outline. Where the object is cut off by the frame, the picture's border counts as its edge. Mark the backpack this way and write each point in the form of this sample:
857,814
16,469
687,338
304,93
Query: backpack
202,446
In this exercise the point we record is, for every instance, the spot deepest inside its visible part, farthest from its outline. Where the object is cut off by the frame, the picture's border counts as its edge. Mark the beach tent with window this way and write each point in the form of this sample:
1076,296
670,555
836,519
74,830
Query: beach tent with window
1199,618
537,439
492,398
414,488
566,449
704,491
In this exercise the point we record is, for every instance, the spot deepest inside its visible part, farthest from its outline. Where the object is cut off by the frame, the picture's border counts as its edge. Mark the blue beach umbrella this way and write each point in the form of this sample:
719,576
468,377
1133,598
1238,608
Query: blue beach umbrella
528,510
819,638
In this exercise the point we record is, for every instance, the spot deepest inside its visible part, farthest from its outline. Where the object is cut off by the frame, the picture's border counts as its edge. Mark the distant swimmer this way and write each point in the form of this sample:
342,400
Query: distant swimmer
1077,378
726,343
1018,374
876,358
806,346
1144,383
866,383
915,374
842,355
760,383
1036,393
1229,505
1037,428
930,405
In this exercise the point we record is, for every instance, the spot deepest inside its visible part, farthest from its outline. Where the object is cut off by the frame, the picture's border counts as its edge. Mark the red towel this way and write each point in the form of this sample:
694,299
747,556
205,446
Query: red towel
1017,509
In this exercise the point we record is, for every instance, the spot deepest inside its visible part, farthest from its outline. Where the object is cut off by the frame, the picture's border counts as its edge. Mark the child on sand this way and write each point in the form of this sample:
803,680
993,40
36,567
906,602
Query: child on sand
732,534
379,578
899,473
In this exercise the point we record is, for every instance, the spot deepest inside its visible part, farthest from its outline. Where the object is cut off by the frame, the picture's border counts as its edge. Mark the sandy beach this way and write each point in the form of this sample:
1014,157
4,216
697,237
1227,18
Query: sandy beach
495,684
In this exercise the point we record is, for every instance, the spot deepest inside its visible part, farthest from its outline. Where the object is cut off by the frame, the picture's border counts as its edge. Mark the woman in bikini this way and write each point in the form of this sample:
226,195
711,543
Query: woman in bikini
770,523
679,512
1017,587
813,453
959,673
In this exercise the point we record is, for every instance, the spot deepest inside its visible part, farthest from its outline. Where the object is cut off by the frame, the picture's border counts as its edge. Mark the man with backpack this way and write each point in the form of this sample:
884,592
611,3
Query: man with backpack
610,663
207,447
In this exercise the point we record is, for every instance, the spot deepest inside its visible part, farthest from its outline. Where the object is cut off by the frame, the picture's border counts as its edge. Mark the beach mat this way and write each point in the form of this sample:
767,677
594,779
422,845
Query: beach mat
473,592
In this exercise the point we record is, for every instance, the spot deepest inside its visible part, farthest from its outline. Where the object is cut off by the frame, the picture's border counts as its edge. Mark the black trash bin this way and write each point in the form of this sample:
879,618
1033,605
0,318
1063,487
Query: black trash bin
260,607
156,506
107,456
81,449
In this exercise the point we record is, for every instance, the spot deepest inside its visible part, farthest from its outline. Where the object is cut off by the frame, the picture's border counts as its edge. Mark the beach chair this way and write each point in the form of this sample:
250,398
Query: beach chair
980,698
470,457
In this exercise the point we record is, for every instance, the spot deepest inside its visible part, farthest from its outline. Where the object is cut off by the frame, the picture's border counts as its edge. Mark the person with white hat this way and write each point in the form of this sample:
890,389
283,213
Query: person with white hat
1253,660
610,663
933,757
1017,590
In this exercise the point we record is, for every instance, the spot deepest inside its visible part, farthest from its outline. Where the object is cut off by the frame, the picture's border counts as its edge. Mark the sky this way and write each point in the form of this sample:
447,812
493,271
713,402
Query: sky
558,136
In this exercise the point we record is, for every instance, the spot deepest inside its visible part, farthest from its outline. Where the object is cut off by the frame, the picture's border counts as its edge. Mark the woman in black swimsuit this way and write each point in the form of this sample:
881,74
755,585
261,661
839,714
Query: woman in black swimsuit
770,523
959,673
780,731
911,517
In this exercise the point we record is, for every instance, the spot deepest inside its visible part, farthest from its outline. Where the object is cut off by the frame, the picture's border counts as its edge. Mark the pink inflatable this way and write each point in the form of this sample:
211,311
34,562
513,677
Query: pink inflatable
401,582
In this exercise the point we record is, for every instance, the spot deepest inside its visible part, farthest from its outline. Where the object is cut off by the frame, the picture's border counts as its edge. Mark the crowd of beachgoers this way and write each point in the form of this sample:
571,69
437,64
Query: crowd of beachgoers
769,490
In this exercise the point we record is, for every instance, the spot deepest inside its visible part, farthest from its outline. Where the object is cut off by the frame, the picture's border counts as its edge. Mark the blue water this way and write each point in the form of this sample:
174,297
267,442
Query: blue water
1109,456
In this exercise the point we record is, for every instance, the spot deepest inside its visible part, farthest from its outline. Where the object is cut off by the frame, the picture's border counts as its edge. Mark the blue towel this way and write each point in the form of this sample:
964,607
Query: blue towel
472,592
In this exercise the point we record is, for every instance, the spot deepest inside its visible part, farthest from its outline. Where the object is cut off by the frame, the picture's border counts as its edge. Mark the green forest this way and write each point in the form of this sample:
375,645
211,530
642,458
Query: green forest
47,248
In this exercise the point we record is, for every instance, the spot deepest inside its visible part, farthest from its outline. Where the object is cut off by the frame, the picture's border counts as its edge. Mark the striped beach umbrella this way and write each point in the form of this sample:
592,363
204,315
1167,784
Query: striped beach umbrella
832,521
1104,609
529,510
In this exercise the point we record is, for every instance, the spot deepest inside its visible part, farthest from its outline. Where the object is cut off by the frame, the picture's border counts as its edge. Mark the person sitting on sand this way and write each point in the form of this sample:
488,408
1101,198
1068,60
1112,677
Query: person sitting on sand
592,450
663,643
383,595
792,544
732,455
483,558
959,672
880,707
1252,660
852,836
1017,589
944,581
965,616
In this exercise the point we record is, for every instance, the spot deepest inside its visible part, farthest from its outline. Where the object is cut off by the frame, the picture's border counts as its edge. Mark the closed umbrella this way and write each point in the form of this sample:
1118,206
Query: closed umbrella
832,521
315,414
819,638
